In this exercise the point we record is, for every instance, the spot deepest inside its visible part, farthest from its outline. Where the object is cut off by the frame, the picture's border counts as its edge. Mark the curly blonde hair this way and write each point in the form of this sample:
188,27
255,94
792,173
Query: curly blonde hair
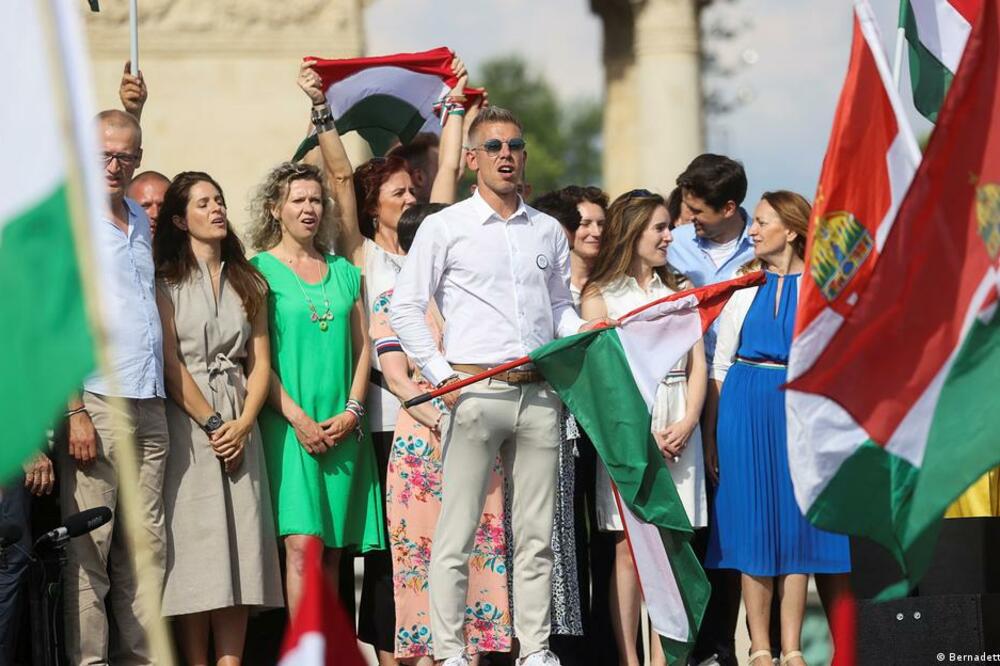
264,229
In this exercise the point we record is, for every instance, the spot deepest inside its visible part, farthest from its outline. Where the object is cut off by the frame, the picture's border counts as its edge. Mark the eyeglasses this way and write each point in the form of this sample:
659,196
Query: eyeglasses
494,146
124,159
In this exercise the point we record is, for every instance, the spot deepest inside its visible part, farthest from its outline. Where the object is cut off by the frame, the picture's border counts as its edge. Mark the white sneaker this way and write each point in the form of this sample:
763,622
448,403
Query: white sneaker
460,660
540,658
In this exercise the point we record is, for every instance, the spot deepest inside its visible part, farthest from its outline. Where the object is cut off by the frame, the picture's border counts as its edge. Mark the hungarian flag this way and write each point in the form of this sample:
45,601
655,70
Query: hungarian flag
869,164
936,32
385,98
608,379
49,193
898,414
320,633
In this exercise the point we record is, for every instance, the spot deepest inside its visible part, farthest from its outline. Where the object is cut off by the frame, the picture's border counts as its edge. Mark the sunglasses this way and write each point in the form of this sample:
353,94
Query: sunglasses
494,146
640,194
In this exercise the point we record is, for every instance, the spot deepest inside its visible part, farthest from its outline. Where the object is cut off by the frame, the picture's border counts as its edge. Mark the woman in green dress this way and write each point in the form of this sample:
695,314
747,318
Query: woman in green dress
319,454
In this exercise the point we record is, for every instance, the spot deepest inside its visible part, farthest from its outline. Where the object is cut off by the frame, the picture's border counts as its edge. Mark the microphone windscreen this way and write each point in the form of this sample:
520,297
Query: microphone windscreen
85,521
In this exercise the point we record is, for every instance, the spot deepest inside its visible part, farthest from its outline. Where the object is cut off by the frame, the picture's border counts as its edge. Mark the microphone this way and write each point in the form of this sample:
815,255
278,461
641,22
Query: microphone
75,525
9,535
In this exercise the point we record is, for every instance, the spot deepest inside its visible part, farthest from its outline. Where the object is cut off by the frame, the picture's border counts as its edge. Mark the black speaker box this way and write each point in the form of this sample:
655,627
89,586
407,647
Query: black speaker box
965,561
929,630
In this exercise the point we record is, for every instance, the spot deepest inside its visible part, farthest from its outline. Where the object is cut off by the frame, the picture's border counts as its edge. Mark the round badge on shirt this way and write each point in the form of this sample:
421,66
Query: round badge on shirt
542,261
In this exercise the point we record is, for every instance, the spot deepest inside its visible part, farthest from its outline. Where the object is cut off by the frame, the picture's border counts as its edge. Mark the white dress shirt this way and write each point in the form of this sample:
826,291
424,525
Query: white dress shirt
502,286
128,305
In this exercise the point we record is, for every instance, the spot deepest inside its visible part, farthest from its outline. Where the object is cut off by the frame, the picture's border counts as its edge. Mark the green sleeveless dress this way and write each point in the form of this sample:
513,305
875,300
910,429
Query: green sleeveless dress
335,495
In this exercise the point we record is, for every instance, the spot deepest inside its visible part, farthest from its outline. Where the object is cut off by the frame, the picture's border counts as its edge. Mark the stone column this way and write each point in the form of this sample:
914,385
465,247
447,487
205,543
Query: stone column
653,123
221,77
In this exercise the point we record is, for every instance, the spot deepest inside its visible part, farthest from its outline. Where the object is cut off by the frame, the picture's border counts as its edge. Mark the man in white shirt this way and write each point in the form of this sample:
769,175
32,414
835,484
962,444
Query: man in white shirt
499,272
99,568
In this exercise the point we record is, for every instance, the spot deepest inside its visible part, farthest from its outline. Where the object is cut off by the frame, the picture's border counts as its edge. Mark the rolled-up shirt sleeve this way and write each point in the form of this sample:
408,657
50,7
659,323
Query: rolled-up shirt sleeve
415,285
567,321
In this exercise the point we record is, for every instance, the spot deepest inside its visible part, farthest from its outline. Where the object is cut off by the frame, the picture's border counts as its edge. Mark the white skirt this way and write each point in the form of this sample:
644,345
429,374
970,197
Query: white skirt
688,472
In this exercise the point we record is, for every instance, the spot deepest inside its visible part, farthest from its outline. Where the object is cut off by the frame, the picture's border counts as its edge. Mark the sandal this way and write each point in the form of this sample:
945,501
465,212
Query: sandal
758,654
794,654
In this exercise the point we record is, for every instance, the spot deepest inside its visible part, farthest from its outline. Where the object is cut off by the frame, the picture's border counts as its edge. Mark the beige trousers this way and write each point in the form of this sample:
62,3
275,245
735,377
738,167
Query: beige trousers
521,423
99,566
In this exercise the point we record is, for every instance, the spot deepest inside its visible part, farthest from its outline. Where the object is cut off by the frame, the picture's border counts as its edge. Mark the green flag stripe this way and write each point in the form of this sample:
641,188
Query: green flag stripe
590,371
929,78
379,119
883,497
42,310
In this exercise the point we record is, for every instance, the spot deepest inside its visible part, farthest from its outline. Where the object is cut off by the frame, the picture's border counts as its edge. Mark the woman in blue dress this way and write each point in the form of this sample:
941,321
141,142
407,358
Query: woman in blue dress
757,527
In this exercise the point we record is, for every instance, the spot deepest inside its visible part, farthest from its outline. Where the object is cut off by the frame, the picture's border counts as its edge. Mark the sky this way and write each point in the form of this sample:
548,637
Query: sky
798,49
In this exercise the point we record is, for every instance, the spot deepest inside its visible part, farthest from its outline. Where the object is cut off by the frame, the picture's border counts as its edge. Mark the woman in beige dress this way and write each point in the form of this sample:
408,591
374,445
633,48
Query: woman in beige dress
222,557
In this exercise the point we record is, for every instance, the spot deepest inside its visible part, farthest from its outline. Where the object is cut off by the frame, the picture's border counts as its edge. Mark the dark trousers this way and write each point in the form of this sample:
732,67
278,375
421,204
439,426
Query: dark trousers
595,559
377,612
15,509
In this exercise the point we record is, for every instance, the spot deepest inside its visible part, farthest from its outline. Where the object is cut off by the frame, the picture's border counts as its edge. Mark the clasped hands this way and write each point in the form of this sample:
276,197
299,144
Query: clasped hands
318,437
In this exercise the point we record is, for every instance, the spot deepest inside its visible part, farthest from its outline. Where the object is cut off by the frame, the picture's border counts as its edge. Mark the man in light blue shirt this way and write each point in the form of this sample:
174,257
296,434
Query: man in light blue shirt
712,249
99,567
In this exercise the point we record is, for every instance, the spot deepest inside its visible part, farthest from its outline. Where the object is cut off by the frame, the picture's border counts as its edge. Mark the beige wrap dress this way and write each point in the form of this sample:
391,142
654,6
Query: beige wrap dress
221,545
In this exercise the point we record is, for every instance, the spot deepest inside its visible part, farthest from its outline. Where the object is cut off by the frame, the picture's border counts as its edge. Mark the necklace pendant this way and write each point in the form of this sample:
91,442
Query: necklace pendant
314,317
323,326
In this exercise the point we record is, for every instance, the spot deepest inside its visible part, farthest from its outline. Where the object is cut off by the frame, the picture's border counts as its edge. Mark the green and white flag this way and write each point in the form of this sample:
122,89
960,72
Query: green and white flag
45,342
608,379
936,32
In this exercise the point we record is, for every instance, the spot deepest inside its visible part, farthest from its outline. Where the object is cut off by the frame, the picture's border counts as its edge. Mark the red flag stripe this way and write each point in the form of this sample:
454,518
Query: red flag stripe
911,318
436,62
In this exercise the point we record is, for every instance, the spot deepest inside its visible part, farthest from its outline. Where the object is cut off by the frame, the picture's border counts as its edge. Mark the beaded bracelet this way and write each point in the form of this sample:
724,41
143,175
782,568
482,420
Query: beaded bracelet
356,408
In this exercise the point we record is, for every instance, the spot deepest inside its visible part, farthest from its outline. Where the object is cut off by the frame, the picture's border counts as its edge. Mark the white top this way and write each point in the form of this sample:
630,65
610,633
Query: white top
131,320
380,271
719,253
502,286
624,295
669,406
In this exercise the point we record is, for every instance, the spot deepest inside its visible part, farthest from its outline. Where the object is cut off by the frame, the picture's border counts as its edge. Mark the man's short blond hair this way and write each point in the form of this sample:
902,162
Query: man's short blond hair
489,116
120,120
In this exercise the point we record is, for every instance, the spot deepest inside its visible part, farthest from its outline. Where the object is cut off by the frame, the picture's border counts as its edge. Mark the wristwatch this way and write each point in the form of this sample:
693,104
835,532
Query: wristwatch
213,423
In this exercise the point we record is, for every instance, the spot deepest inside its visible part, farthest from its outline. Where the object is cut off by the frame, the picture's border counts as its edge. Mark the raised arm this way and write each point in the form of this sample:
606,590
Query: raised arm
336,166
445,186
132,91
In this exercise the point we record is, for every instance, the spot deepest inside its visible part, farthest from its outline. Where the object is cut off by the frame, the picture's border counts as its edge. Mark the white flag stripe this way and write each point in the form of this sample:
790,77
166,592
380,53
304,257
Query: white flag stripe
873,37
943,30
417,89
909,440
660,591
309,651
830,436
902,162
653,345
32,156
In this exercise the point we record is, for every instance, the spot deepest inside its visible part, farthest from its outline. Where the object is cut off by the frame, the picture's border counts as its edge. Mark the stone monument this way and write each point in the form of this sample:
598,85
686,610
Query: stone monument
221,78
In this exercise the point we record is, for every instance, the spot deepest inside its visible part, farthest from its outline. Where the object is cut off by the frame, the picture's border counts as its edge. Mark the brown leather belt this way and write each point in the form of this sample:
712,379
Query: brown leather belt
509,377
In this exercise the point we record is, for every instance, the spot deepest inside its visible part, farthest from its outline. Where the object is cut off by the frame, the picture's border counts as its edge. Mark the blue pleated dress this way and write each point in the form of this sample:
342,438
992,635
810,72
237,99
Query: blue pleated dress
756,525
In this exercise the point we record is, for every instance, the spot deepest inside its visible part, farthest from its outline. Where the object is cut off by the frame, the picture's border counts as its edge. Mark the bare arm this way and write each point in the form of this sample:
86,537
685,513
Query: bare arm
339,173
341,425
708,422
592,305
445,186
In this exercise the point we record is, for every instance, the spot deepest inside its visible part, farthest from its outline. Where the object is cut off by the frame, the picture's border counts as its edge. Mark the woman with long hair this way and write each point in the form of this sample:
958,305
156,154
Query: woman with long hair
221,554
370,200
319,453
757,527
631,270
